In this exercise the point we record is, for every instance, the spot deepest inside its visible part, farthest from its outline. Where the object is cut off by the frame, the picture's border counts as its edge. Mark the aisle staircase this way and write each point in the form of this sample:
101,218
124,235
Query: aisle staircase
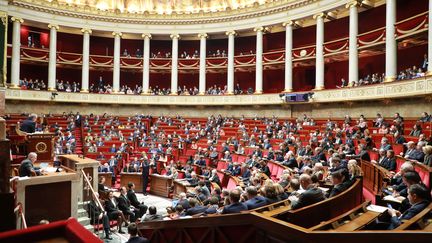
83,217
79,141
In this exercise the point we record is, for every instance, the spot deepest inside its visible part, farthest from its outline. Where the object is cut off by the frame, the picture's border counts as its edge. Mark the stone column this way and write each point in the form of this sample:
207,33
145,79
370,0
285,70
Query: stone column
353,51
429,68
52,57
146,63
230,71
16,52
288,56
116,68
391,45
174,64
202,66
259,60
319,61
85,60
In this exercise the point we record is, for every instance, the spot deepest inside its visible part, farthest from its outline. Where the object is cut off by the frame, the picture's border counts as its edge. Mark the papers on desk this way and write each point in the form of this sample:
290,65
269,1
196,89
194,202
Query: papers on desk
376,208
391,198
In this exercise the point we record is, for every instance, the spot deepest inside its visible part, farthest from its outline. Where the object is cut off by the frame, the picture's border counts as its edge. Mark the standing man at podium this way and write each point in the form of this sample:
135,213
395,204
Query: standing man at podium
29,125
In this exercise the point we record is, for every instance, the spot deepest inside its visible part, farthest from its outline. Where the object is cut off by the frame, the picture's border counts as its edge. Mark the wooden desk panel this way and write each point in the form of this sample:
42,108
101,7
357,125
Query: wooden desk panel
136,178
160,185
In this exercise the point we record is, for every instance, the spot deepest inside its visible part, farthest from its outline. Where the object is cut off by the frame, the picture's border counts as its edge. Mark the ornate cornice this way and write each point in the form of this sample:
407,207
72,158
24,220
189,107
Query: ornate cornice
157,19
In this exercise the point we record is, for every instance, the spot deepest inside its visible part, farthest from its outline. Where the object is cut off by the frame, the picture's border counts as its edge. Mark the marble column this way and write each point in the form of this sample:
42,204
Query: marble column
146,63
116,67
85,60
174,64
16,52
259,60
391,45
230,71
319,60
353,50
288,56
202,66
52,62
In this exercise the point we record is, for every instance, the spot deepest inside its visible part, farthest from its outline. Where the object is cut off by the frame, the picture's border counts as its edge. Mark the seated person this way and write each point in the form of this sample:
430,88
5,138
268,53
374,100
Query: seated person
195,207
214,205
97,216
254,200
134,238
101,185
134,201
27,168
125,206
418,197
337,179
152,215
236,206
270,194
113,212
310,195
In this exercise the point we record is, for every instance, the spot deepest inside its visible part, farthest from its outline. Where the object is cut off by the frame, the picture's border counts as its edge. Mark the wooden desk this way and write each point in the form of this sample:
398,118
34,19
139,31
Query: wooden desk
136,178
52,196
180,186
160,185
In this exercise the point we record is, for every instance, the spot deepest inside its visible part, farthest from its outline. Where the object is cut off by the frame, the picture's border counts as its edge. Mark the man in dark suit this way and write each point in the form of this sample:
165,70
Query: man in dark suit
113,212
254,201
134,201
214,205
337,178
236,206
389,162
29,125
419,199
195,208
26,168
311,195
152,215
363,154
125,206
145,173
134,238
97,215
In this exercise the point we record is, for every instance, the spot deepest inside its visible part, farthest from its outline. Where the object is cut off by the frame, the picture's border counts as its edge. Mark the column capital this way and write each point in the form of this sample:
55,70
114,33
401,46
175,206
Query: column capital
50,26
231,32
288,23
175,36
203,35
146,35
258,29
319,15
354,3
17,19
119,34
86,30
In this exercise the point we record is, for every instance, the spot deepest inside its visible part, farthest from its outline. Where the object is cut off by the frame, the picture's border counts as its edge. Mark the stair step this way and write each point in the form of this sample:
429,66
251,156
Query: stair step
84,220
82,213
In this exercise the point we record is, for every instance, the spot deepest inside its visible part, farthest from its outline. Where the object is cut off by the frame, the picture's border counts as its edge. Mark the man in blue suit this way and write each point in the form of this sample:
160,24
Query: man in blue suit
254,201
195,208
236,206
419,199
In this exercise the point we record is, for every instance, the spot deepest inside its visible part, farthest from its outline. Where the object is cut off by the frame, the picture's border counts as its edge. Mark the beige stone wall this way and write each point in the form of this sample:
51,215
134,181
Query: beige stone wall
412,107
